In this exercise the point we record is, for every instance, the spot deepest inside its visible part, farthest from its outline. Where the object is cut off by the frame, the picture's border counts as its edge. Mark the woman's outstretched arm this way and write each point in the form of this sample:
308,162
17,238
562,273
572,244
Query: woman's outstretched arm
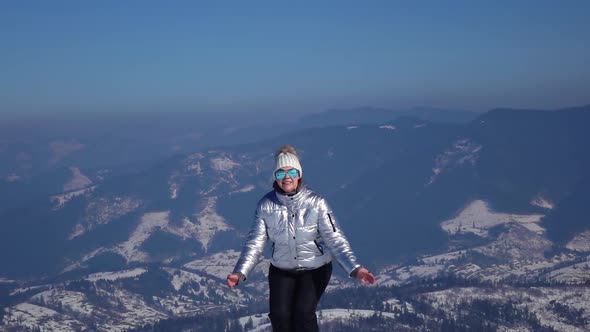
250,252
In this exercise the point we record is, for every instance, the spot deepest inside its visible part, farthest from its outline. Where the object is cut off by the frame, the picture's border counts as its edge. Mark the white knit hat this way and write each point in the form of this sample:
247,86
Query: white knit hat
287,159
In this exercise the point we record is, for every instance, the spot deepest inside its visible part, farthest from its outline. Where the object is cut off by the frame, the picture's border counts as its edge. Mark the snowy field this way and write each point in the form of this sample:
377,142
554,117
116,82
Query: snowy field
477,218
537,299
261,322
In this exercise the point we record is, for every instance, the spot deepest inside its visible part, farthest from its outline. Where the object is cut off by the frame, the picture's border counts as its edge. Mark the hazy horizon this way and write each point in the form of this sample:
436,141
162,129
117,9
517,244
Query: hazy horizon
230,58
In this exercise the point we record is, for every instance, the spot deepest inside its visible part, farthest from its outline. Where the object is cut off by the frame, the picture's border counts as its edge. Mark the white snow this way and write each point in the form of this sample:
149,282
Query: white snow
443,258
462,152
35,309
477,218
77,181
196,168
526,264
536,299
202,292
580,242
419,271
191,167
467,270
203,229
222,263
227,167
134,312
76,301
574,274
181,305
180,277
102,211
54,309
542,202
397,275
130,273
397,304
17,291
77,231
532,225
261,322
517,243
223,163
150,222
245,189
345,314
208,223
195,156
61,200
32,316
173,190
78,264
219,264
522,251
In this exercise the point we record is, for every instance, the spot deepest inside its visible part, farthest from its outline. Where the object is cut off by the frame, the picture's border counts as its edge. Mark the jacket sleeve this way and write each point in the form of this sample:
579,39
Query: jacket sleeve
335,239
253,247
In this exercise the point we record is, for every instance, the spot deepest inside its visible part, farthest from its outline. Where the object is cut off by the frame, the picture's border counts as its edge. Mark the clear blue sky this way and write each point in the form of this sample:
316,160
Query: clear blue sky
296,55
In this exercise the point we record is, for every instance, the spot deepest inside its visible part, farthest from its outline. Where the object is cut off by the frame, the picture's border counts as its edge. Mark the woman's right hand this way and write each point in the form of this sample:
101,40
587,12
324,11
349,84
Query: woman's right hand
233,280
364,276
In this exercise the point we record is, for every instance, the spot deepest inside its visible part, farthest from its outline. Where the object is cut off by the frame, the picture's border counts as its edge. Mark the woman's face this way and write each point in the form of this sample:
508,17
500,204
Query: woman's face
288,184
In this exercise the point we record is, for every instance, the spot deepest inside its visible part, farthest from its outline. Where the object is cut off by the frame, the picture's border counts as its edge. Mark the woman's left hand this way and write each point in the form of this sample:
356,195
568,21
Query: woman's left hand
365,277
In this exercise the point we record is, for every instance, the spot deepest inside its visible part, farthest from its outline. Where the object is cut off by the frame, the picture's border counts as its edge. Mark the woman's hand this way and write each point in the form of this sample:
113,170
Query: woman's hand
233,280
364,276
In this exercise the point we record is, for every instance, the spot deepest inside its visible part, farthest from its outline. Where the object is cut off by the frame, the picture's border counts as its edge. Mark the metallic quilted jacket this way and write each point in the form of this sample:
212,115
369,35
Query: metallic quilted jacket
303,232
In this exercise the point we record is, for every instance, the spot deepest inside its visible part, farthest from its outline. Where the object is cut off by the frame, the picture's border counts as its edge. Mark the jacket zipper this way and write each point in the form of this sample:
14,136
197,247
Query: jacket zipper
319,247
332,223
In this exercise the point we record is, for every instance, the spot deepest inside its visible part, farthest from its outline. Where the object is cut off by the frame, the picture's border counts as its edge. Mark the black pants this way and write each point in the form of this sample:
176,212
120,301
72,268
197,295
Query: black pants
294,297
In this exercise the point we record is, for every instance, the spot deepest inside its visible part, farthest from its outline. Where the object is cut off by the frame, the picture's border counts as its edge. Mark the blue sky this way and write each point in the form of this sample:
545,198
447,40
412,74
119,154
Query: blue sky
302,56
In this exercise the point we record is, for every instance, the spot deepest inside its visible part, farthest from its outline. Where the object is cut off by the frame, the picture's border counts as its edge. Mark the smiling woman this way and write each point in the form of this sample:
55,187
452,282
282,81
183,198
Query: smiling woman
301,226
288,170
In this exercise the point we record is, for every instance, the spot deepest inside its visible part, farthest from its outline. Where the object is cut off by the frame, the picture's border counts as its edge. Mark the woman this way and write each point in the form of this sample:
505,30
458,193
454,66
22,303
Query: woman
305,236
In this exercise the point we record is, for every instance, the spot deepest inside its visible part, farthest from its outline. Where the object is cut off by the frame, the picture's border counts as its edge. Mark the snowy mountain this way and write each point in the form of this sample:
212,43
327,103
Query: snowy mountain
496,203
37,145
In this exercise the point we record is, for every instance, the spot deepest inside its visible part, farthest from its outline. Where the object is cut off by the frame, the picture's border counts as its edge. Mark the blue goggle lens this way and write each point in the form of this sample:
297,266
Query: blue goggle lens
280,174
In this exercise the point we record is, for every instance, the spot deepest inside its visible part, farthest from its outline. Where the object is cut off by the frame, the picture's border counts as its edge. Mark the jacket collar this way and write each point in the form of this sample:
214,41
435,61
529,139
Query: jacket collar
290,199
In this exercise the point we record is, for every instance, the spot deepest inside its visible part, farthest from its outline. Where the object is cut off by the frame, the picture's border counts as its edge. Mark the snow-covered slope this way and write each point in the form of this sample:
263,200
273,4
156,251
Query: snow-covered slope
477,218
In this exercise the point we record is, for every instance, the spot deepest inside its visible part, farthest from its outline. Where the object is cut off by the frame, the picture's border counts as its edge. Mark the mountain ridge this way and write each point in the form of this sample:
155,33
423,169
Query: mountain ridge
495,201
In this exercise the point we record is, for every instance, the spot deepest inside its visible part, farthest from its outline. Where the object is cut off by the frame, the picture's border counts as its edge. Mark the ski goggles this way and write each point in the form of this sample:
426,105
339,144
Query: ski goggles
280,173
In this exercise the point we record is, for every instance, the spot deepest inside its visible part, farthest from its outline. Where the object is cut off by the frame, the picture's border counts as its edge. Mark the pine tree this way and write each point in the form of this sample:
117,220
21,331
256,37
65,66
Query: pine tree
249,324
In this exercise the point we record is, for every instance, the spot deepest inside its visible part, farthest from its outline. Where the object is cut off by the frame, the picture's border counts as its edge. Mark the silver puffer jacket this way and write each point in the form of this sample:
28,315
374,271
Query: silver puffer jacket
303,232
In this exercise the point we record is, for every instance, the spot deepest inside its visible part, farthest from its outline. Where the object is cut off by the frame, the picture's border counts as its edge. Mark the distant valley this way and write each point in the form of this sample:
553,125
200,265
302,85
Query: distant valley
484,214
